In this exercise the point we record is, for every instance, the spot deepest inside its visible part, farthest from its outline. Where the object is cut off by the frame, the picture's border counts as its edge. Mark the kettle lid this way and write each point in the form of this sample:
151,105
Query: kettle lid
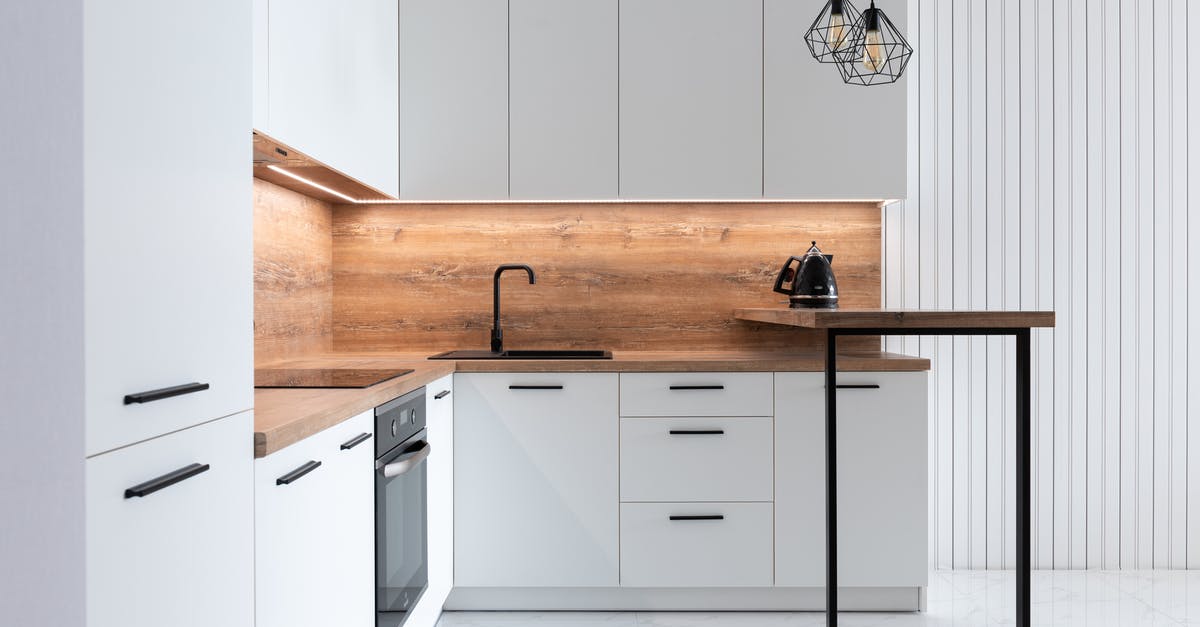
814,250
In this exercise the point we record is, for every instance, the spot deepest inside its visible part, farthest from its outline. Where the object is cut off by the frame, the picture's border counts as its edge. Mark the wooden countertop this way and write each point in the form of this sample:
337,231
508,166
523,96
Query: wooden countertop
286,416
896,318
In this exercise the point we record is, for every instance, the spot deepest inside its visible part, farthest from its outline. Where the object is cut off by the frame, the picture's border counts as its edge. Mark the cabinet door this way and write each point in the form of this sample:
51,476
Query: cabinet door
167,217
334,85
454,99
536,500
439,418
824,138
691,99
882,470
182,555
563,81
350,539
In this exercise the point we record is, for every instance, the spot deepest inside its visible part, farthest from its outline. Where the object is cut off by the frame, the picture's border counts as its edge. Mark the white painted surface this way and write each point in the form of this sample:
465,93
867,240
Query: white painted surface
439,419
42,309
563,99
659,552
691,99
823,138
535,478
692,600
735,465
167,241
1049,145
262,65
739,394
195,536
881,480
334,85
314,538
454,102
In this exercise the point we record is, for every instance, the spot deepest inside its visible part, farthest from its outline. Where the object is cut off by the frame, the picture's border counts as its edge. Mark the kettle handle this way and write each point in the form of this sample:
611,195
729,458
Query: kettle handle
783,275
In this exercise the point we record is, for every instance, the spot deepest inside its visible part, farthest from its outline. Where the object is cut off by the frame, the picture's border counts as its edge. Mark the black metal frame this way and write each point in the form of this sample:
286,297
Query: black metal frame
1022,337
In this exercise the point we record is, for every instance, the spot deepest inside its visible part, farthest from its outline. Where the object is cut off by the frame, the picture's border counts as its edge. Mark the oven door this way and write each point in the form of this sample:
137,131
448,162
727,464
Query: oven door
401,557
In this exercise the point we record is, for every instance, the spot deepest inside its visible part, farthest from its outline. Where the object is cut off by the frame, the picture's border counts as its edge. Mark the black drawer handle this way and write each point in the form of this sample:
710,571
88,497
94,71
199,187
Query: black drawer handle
166,481
158,395
704,517
535,387
858,386
297,473
440,395
355,441
697,432
697,387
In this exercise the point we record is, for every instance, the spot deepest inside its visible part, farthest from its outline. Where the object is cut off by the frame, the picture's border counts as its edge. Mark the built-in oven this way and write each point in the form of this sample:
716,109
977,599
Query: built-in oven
401,499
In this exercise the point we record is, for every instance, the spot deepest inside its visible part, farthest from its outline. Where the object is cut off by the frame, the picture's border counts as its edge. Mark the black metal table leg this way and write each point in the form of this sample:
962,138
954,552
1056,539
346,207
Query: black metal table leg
831,604
1022,452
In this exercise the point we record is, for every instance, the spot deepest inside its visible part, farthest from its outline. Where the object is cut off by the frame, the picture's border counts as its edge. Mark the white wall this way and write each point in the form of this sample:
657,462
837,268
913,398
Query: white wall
41,314
1050,167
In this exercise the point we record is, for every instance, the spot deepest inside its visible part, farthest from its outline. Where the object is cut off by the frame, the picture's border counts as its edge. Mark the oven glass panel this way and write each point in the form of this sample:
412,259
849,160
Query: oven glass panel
401,538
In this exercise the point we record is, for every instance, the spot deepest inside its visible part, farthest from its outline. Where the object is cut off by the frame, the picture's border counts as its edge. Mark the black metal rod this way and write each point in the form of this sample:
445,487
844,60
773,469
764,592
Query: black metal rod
355,441
831,580
858,386
158,395
297,473
440,395
166,481
697,387
697,432
930,331
703,517
1024,441
535,387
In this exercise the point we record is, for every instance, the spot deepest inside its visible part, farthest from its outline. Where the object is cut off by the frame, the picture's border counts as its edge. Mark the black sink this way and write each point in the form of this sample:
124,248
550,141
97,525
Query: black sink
527,354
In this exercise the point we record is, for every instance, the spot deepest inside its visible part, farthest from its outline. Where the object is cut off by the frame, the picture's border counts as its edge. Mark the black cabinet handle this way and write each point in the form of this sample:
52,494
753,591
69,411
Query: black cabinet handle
158,395
697,387
858,386
297,473
355,441
440,395
535,387
704,517
166,481
697,432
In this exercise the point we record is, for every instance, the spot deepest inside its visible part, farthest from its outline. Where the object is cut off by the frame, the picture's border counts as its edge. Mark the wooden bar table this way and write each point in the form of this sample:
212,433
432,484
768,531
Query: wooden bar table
839,322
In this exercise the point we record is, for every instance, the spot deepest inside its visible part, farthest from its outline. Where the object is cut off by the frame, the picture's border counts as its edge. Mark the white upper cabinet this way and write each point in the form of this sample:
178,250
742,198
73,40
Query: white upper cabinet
454,99
691,98
563,77
167,217
825,139
333,84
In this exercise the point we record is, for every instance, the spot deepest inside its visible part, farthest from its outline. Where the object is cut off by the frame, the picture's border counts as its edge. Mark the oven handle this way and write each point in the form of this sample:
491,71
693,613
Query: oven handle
401,464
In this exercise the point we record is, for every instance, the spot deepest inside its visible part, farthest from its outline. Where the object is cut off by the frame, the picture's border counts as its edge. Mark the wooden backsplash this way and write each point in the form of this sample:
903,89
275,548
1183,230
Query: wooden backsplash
617,276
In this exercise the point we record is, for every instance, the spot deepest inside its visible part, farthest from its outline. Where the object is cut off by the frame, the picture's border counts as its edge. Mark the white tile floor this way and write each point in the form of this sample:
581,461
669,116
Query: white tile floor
959,598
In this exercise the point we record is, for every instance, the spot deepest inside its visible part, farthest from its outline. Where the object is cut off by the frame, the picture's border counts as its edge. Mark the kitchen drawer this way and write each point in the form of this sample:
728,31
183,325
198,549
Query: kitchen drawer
697,459
697,394
725,545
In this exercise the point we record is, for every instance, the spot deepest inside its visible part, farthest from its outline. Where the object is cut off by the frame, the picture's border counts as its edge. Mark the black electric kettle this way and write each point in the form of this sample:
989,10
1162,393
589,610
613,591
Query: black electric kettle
812,286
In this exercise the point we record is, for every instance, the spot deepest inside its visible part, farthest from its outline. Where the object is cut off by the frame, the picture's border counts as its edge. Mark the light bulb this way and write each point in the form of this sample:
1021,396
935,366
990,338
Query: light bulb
873,57
837,31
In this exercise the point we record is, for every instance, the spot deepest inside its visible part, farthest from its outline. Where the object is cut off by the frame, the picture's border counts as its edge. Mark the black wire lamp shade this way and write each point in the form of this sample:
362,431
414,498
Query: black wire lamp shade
828,33
874,52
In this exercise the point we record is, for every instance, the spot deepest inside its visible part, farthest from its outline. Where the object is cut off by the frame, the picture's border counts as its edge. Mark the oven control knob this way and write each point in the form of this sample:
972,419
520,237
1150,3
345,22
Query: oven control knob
393,428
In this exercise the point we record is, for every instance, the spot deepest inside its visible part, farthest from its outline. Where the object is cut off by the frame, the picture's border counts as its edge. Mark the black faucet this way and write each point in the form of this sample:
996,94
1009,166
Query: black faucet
497,334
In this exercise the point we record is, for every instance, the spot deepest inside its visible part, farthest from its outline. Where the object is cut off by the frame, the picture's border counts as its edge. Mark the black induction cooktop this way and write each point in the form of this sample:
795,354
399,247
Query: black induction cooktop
323,377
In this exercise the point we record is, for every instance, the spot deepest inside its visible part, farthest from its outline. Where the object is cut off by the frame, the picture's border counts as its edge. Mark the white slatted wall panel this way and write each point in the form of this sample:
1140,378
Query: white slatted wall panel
1050,167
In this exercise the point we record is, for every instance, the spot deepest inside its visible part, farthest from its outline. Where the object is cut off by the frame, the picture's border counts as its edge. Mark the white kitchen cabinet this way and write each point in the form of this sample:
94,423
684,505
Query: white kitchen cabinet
882,469
314,530
824,138
665,545
333,85
181,554
439,420
167,218
696,394
536,480
563,99
454,99
691,98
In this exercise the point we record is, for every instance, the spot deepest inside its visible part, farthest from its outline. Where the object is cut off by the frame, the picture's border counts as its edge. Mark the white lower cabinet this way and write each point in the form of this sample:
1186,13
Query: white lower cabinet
170,530
315,530
696,544
439,418
536,480
882,471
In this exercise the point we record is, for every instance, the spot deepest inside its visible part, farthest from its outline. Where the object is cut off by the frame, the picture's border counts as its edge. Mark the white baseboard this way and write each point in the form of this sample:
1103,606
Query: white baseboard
684,599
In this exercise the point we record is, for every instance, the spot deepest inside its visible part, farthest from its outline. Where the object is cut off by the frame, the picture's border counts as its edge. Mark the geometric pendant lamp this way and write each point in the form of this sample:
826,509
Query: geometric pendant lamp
873,51
827,35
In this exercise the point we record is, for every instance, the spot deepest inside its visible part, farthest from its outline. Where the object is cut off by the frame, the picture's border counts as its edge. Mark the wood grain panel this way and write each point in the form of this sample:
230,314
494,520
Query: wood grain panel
619,276
293,273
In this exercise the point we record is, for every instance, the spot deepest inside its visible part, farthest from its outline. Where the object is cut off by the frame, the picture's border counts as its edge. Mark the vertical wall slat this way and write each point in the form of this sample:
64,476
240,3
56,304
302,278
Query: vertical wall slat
1042,277
1060,255
1095,283
1178,288
977,276
1193,287
1111,474
995,218
958,212
1077,356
